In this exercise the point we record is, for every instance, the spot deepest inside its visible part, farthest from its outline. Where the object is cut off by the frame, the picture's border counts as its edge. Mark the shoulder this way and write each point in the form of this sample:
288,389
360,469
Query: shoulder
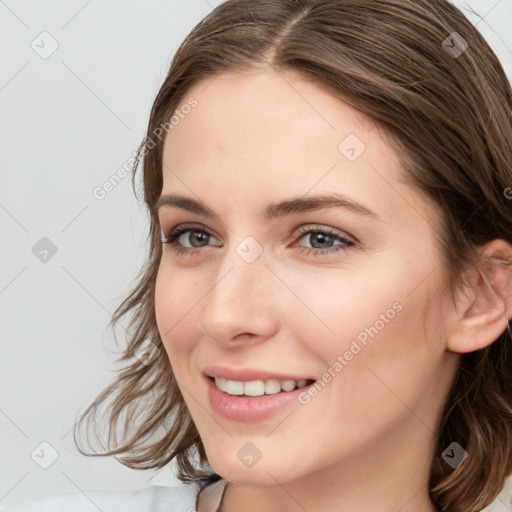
155,498
502,502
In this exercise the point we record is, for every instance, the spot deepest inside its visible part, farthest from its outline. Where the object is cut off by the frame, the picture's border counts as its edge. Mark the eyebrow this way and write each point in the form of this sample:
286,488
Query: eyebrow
276,209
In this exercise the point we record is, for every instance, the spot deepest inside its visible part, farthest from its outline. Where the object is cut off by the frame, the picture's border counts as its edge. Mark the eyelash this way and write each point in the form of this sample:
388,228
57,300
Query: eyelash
172,237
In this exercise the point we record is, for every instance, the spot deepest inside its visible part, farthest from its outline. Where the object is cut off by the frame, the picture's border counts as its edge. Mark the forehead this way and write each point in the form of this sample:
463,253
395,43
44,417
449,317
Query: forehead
262,133
246,108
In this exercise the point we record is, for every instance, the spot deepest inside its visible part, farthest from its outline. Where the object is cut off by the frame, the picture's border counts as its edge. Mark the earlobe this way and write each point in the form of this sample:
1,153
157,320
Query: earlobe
486,305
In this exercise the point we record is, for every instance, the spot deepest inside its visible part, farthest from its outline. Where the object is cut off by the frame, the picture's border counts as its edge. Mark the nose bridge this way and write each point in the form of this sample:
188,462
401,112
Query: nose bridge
238,300
242,268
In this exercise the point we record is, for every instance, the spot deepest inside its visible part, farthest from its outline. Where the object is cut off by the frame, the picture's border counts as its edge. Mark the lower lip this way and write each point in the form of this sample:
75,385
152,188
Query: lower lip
248,410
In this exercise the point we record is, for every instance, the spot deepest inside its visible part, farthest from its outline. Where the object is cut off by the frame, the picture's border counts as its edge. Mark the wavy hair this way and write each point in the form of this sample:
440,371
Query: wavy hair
449,117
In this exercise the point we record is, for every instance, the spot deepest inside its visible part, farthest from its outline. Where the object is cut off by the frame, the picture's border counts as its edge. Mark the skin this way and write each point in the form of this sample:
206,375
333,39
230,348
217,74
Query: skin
366,440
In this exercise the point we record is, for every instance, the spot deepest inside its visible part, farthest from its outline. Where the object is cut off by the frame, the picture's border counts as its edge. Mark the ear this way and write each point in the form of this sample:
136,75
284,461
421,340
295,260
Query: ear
484,309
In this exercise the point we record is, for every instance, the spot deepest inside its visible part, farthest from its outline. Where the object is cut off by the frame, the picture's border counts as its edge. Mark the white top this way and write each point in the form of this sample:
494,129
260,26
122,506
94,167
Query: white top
158,498
155,498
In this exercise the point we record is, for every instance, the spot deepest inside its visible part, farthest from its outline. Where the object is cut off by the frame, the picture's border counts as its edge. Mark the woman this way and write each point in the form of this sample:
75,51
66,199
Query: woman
341,339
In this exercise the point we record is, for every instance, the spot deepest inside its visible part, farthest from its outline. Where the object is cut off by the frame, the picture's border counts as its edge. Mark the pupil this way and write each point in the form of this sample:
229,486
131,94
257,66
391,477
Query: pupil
197,234
325,237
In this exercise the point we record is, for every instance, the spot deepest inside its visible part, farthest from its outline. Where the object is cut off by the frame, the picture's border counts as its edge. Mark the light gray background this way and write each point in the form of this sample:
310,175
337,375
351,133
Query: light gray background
68,122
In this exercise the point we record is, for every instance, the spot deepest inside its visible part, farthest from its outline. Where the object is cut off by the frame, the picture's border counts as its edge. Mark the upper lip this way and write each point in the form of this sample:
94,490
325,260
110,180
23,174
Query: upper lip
249,374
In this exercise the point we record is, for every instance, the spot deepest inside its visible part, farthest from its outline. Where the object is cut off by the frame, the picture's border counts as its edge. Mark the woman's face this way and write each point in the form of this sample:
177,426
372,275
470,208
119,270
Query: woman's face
361,307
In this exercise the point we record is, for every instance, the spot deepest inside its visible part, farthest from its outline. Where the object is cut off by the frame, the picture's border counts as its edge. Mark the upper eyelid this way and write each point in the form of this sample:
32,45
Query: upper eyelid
301,231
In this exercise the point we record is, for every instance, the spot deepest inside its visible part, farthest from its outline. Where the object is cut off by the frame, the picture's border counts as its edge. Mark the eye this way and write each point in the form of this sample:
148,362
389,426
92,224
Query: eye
173,238
323,236
317,236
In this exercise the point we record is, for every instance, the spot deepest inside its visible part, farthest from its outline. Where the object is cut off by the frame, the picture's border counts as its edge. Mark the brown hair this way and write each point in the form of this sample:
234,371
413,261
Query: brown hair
449,118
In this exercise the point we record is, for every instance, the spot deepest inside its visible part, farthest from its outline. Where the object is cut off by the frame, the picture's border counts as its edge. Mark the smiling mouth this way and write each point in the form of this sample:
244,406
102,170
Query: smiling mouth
258,388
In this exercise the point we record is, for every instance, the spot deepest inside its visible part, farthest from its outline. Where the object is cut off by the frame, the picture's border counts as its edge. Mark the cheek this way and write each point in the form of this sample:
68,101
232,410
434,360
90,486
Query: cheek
174,303
334,311
388,365
365,328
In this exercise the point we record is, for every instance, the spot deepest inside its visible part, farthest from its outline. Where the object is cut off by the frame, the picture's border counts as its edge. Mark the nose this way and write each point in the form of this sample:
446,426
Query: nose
241,302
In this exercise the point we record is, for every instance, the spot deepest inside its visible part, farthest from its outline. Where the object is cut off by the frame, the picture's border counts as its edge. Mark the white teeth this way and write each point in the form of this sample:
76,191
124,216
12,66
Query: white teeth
288,385
257,387
254,388
272,387
234,387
